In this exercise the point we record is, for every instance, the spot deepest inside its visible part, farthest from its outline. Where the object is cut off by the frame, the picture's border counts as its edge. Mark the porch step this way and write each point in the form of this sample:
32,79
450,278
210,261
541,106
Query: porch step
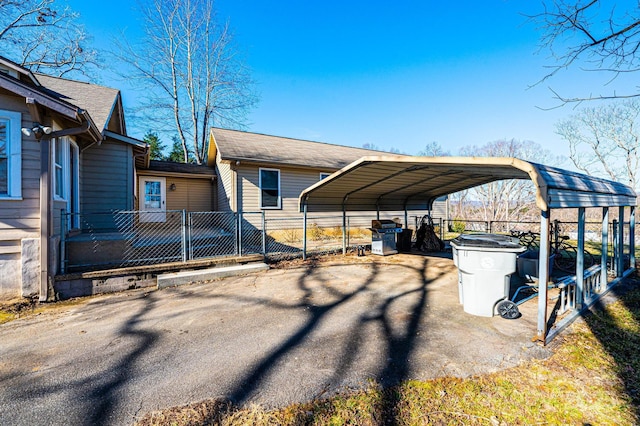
187,277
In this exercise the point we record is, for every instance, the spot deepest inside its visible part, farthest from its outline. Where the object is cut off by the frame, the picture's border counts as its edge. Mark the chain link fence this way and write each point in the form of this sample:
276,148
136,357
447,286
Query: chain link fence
131,238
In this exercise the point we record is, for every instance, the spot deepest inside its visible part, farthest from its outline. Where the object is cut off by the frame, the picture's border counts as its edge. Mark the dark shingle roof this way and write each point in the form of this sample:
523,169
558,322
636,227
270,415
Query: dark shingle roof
235,145
171,167
99,101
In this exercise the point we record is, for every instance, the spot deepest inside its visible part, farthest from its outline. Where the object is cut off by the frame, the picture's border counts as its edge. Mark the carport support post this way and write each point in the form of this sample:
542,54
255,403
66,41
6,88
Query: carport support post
620,254
632,237
406,218
580,261
543,274
304,232
604,277
344,230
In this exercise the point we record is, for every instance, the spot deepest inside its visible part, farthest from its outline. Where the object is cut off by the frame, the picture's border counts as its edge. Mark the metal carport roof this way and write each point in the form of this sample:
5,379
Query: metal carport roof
395,183
413,183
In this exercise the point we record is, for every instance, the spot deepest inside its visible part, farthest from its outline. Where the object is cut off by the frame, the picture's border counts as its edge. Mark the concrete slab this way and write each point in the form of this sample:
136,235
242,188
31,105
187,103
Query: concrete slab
188,277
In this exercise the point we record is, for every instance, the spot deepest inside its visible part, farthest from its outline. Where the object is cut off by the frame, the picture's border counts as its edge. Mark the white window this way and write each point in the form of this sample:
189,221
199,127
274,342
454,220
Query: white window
58,168
10,155
324,175
66,187
270,189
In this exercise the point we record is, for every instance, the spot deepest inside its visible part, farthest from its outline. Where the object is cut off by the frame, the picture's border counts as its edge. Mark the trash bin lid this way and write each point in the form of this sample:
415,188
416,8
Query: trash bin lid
487,241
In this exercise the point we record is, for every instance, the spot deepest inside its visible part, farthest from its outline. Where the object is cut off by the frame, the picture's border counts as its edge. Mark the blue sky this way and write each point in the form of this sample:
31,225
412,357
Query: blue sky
392,74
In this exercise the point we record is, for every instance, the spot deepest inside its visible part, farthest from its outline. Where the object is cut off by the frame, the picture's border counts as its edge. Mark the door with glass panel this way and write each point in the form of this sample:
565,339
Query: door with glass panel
152,200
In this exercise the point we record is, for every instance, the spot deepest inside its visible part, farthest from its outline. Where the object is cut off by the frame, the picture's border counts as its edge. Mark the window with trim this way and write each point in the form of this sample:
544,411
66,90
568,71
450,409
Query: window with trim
324,175
270,189
10,155
65,168
58,168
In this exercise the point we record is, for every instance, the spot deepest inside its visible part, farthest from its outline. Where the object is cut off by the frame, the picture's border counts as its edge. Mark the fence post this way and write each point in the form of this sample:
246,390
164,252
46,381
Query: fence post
63,236
264,234
235,224
184,234
240,233
487,226
189,235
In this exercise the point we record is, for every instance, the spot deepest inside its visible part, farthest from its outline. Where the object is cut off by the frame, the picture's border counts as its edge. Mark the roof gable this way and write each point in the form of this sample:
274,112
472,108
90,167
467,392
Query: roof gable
99,101
234,145
17,71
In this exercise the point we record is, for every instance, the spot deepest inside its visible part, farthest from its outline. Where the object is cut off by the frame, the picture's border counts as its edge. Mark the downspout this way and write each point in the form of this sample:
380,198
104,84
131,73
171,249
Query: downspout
46,205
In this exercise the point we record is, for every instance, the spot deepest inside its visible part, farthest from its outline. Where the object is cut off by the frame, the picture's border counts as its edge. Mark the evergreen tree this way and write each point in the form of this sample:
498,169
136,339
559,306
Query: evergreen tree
177,152
156,147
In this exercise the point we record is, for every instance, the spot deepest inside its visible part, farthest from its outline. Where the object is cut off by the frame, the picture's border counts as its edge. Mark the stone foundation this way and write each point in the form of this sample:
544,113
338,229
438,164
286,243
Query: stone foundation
66,289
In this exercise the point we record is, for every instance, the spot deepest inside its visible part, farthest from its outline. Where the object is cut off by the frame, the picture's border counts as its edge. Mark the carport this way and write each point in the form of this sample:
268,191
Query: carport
393,183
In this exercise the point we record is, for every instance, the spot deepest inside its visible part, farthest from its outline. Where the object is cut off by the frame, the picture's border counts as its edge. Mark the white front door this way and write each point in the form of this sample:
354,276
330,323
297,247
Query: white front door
152,199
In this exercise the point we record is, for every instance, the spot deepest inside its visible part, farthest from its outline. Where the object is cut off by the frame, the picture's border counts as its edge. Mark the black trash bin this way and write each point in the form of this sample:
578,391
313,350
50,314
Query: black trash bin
404,240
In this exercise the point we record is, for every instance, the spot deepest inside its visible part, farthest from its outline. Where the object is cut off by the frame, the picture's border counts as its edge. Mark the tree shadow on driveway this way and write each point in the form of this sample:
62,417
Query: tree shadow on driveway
399,331
89,397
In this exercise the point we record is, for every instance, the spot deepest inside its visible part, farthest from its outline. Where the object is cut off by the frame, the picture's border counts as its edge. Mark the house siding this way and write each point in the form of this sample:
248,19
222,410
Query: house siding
292,182
106,184
19,219
106,178
192,195
224,199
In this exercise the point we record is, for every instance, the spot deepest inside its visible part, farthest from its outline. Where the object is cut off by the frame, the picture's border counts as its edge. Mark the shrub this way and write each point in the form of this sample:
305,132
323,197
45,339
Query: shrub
458,226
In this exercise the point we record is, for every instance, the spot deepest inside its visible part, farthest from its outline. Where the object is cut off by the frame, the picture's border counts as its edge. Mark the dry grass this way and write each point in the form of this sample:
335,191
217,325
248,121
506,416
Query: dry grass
592,378
20,308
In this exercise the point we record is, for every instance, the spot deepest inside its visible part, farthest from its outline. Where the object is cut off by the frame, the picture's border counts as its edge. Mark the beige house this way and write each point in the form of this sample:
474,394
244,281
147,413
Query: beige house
63,148
258,172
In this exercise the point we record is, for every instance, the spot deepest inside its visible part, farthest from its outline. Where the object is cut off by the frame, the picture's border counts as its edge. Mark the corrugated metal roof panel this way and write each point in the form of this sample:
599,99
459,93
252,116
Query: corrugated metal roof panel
393,182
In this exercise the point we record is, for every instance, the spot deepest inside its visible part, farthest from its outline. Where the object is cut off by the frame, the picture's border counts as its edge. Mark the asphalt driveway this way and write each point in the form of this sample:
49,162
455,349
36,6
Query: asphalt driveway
273,338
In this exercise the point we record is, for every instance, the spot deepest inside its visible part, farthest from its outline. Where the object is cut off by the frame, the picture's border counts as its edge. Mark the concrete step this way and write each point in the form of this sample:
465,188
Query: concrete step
187,277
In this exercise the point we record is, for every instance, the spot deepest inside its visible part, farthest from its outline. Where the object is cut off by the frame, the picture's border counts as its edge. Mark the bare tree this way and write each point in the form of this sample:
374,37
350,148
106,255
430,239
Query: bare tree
434,149
511,199
593,34
190,72
44,38
604,140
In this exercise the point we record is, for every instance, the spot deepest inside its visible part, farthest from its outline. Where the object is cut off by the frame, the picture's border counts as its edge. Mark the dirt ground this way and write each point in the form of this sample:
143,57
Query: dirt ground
299,331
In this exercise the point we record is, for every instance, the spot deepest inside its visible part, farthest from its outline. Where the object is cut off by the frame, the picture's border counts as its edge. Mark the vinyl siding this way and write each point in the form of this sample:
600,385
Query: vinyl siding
192,195
21,218
224,200
106,178
106,184
292,182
